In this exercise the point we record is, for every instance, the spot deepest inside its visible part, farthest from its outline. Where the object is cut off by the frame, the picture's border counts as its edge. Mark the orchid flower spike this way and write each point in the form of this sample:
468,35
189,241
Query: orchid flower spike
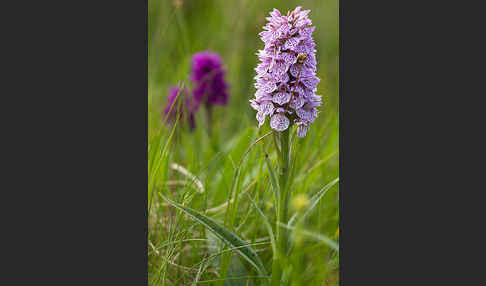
286,75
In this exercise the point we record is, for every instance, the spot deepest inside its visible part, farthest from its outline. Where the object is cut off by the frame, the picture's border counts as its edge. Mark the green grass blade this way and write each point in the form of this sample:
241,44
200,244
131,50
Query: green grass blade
273,179
313,201
225,235
317,236
163,156
199,273
233,278
267,225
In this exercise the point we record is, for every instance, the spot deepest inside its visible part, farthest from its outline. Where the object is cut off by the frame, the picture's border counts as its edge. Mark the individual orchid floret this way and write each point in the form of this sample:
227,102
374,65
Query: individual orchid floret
180,104
286,78
207,76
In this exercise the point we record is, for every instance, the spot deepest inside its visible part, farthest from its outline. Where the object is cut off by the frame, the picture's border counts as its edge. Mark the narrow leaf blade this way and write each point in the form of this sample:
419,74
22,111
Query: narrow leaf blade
228,237
317,236
267,225
273,179
313,201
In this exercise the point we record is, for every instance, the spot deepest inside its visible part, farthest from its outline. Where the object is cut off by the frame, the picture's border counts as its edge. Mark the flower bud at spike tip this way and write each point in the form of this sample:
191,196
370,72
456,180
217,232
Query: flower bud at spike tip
286,78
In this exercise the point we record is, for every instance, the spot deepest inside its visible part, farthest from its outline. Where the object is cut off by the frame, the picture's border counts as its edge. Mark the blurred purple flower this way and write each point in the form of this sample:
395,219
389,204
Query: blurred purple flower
207,75
286,75
176,106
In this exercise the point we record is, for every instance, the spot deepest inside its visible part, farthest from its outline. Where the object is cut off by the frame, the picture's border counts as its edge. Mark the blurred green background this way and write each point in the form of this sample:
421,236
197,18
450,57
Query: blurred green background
176,30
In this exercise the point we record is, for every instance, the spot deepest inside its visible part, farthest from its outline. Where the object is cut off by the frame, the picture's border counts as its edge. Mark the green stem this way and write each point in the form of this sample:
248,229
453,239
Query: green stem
284,174
282,209
209,119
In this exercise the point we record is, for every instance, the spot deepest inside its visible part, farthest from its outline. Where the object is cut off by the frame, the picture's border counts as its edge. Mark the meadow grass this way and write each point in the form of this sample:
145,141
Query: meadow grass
226,177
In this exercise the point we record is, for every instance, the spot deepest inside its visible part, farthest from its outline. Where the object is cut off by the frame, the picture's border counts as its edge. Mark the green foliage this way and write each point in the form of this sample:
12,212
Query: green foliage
236,196
225,235
313,202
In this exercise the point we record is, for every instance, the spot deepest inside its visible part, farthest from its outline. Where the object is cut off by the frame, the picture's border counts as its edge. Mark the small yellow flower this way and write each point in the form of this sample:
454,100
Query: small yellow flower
300,202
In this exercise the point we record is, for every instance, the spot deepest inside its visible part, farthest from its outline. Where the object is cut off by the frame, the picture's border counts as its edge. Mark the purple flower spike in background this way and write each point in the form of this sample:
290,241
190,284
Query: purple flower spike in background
286,75
207,75
186,107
